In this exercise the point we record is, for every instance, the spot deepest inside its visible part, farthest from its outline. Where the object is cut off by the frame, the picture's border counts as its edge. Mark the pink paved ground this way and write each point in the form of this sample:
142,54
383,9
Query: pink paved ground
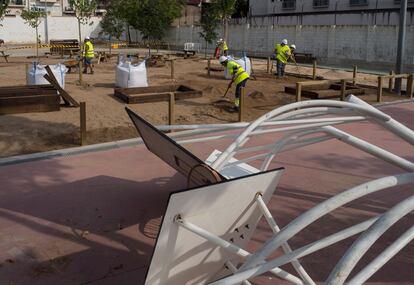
93,218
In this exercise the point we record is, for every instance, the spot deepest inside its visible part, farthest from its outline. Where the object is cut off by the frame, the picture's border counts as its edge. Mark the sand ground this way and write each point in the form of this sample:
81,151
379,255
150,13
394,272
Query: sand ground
106,116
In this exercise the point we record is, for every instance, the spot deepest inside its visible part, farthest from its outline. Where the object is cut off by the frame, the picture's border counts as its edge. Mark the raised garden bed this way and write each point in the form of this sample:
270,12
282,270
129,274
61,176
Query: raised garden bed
156,93
325,90
28,99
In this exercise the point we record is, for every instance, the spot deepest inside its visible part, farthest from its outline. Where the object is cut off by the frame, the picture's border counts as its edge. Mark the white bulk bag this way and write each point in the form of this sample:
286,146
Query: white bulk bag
36,73
129,75
245,63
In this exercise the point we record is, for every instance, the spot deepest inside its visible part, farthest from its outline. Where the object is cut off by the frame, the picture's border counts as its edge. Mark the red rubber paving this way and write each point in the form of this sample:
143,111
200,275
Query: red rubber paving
93,218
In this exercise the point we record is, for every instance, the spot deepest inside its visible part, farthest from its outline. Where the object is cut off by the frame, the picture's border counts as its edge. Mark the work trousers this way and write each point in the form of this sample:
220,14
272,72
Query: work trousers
280,68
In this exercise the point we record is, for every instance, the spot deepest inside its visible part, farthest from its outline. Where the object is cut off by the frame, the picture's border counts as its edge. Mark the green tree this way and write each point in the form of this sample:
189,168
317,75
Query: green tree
3,9
84,10
33,18
154,17
112,24
224,9
209,23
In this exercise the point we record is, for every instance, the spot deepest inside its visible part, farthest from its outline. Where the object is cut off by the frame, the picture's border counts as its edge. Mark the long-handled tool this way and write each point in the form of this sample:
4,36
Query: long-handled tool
228,89
297,66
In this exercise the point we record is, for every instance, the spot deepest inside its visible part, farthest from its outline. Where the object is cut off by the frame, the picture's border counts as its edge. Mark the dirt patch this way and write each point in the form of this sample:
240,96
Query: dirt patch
106,116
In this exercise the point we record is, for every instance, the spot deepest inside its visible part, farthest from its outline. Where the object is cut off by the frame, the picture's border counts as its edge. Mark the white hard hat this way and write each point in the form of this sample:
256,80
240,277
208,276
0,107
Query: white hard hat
87,38
285,42
293,46
223,59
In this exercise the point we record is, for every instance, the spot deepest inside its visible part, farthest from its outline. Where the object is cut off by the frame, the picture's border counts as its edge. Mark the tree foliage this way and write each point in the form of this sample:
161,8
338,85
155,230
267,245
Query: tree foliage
224,9
3,9
113,24
209,23
84,10
154,17
33,17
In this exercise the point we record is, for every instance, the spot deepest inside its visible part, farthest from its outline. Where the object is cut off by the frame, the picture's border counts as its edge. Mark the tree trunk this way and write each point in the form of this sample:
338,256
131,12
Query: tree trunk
80,34
226,29
37,44
129,35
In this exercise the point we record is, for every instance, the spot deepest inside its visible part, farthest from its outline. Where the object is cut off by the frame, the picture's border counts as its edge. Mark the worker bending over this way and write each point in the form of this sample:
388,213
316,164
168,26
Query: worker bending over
88,55
221,46
239,77
282,53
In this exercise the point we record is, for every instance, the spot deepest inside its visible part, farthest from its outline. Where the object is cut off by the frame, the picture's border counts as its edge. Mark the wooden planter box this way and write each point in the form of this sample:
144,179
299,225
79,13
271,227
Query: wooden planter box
156,93
28,99
324,91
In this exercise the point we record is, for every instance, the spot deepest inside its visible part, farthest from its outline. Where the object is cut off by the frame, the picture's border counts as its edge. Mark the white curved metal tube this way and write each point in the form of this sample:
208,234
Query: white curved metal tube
322,209
369,148
383,258
286,248
227,154
234,249
344,267
296,254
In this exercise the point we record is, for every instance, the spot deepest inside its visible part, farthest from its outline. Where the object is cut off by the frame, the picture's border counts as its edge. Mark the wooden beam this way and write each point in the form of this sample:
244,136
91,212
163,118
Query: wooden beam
82,123
268,65
354,75
410,86
241,104
391,82
209,67
379,92
314,70
298,91
343,90
52,80
172,68
171,107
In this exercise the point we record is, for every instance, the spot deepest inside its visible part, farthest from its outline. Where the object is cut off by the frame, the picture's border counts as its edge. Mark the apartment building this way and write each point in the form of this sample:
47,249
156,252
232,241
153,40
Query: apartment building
331,12
53,7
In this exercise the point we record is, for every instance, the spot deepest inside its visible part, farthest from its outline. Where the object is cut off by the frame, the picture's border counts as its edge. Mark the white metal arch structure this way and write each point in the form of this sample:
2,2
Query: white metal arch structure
372,229
303,124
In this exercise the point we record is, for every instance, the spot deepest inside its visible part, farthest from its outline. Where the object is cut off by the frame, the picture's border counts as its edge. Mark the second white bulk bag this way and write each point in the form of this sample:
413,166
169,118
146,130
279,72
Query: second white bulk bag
129,75
245,63
37,72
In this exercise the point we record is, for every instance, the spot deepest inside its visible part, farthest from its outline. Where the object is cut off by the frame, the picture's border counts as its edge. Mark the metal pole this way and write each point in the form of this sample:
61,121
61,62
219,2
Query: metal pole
401,45
46,28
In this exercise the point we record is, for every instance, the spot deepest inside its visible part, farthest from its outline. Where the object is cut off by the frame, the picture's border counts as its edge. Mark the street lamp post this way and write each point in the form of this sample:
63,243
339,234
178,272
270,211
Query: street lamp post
401,45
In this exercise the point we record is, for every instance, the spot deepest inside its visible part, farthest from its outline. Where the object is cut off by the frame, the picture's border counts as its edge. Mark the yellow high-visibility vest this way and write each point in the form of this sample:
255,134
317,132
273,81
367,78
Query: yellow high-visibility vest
235,68
283,53
88,50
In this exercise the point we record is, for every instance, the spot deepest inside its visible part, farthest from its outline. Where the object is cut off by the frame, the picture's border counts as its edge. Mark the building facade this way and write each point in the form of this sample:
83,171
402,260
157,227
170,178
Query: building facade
331,12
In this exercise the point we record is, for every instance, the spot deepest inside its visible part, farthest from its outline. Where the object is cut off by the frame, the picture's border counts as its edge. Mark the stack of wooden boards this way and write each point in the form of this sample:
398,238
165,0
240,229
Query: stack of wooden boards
34,98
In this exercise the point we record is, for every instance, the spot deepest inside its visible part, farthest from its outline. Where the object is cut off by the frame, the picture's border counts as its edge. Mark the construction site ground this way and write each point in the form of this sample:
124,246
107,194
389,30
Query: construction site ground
106,116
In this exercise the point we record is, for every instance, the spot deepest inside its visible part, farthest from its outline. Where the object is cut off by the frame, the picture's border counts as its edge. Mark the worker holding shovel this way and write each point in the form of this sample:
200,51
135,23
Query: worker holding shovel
239,77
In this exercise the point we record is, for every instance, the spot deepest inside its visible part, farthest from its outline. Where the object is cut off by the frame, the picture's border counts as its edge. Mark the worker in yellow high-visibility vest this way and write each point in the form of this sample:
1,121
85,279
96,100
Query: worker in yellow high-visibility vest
222,45
88,54
239,77
282,53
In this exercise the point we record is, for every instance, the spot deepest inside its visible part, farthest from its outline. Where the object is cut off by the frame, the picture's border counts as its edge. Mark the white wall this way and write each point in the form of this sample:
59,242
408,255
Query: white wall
14,29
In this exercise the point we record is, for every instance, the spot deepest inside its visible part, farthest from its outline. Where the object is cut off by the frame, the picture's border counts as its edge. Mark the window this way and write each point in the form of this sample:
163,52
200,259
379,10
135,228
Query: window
288,4
358,2
17,3
320,3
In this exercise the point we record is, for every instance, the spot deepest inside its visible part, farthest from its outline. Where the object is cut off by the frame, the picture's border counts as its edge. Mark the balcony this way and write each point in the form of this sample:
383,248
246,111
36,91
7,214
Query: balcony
18,3
289,4
320,3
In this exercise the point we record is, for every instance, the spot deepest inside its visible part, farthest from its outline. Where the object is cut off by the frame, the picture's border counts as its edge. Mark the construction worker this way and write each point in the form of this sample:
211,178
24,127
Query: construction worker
221,46
88,55
282,53
239,77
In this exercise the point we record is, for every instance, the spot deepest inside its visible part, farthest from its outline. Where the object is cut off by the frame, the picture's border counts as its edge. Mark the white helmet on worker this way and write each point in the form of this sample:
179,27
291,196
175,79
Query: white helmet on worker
293,46
87,38
223,59
285,42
